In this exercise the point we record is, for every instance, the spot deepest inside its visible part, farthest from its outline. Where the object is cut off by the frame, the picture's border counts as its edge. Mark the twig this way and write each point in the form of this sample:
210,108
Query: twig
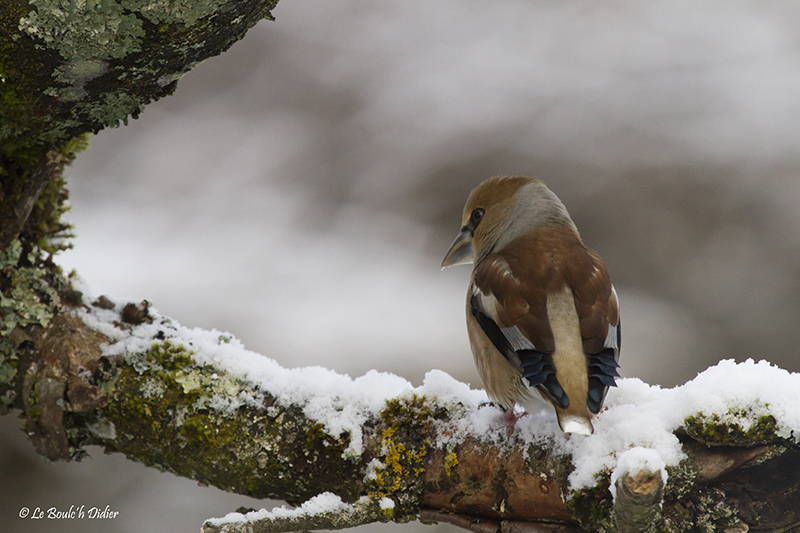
484,525
638,501
283,520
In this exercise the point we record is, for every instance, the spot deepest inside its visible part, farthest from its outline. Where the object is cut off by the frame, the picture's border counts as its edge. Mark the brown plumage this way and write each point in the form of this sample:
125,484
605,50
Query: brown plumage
542,314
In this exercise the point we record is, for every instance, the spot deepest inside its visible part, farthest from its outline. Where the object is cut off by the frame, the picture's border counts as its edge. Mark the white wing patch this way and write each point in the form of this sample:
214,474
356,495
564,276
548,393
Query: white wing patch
516,339
612,339
487,302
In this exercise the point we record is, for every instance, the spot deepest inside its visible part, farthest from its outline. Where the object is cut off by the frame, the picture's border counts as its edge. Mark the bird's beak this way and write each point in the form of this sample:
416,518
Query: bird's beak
461,251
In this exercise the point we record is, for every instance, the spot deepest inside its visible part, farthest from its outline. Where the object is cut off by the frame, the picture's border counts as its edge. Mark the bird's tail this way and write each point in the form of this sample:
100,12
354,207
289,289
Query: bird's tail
571,423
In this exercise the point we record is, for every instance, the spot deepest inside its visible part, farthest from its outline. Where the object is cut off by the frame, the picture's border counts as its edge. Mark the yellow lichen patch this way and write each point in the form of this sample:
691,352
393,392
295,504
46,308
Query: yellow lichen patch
450,462
396,474
402,465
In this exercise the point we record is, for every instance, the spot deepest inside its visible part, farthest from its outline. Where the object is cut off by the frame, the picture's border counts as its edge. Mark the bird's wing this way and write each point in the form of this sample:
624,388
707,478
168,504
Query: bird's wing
598,315
513,315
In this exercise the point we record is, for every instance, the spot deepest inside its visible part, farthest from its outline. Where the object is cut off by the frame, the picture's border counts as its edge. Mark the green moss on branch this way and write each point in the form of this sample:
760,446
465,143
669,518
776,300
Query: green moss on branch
196,421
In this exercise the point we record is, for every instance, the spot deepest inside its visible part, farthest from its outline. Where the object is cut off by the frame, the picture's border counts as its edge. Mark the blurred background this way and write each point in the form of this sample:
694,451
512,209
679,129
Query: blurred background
300,191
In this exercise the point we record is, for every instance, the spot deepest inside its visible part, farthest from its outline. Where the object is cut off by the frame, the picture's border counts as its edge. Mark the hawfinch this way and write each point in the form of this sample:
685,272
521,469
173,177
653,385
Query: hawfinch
542,314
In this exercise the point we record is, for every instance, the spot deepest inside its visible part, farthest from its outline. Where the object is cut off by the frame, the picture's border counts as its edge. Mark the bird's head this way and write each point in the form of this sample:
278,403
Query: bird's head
498,211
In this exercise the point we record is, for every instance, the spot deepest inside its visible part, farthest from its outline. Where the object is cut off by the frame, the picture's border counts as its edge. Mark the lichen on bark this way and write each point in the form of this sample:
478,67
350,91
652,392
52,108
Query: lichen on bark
174,414
69,67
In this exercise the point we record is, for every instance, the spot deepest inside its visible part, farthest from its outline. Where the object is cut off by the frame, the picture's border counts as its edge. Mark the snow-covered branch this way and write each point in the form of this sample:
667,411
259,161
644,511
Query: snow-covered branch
376,448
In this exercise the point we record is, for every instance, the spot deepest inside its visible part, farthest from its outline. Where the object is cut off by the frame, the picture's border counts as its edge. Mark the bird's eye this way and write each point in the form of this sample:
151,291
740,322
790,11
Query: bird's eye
477,215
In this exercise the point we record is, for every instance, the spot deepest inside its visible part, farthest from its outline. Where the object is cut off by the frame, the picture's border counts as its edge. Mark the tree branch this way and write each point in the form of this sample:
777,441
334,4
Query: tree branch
119,376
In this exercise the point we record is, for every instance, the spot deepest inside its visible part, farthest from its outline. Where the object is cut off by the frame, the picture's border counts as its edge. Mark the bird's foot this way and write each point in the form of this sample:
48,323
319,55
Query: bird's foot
511,417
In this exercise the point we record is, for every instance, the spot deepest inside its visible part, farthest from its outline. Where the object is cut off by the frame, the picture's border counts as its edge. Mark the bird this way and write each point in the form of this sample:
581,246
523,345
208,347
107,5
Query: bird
542,314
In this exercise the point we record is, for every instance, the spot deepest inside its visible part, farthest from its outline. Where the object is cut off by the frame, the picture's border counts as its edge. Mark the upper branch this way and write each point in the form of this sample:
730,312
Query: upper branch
68,68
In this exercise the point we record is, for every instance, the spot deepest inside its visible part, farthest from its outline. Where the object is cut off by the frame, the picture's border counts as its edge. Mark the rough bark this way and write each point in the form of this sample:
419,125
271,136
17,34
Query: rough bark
150,407
69,68
20,206
638,501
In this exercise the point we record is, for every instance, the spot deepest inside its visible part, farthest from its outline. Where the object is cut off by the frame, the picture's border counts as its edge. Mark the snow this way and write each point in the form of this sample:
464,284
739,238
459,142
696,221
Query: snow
386,503
642,415
372,469
322,503
636,416
635,460
449,391
341,404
